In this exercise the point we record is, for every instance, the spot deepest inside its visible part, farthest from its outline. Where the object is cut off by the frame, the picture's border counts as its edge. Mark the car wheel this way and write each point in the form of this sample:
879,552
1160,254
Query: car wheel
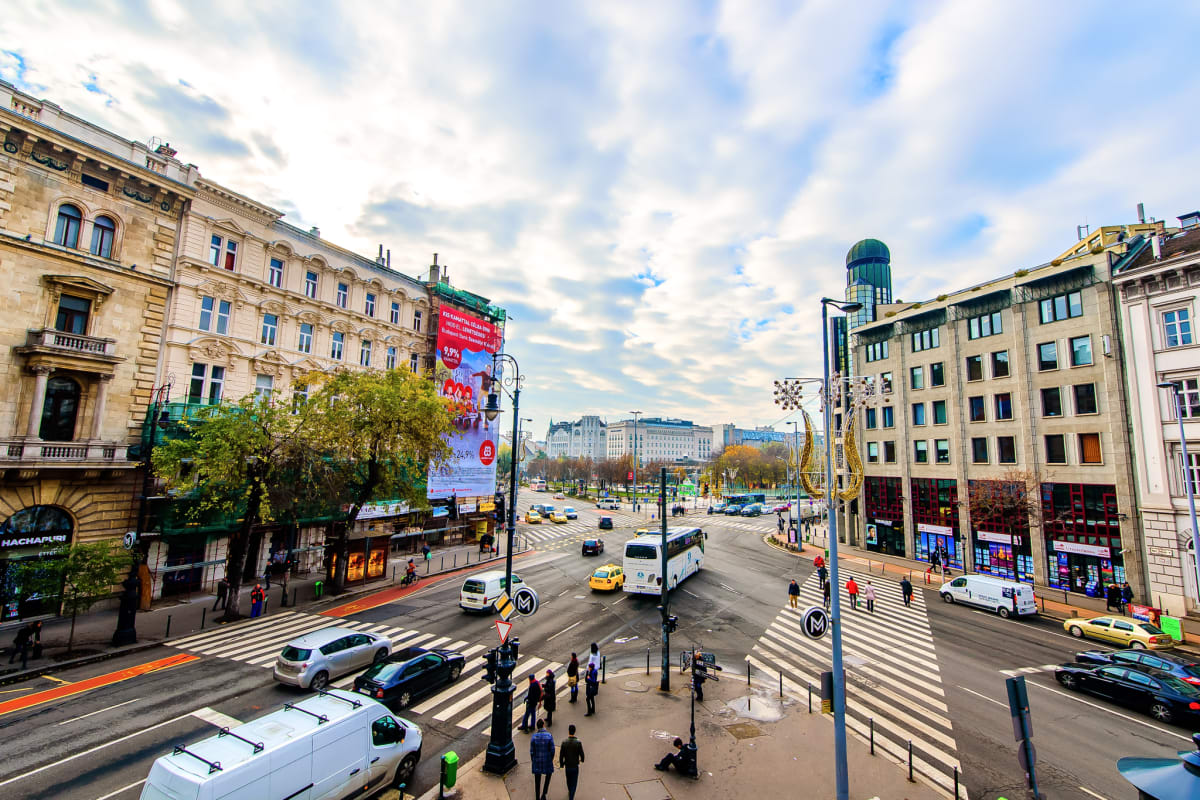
1003,612
947,598
1077,631
1136,645
403,699
404,772
319,682
455,671
380,655
1161,712
1067,679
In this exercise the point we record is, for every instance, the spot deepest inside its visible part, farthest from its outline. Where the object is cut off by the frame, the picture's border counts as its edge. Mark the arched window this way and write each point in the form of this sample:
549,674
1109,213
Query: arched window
59,410
66,230
103,231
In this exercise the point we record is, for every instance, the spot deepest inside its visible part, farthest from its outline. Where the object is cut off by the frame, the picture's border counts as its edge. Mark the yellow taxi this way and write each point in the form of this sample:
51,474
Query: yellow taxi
610,577
558,516
532,517
1125,631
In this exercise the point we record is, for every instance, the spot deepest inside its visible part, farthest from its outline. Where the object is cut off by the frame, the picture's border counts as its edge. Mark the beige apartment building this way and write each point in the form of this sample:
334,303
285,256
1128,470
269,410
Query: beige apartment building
88,225
1015,380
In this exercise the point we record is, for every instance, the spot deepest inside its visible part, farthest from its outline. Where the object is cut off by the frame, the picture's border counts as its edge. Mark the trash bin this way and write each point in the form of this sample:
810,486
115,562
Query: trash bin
318,588
449,769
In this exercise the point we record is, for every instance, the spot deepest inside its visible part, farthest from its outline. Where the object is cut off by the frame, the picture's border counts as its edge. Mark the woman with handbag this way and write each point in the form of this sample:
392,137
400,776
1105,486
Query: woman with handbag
573,677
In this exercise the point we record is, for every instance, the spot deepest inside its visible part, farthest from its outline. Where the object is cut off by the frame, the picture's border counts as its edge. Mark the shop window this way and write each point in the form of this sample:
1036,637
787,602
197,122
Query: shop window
1081,351
1089,449
1052,402
941,449
73,315
104,231
1056,449
1006,449
1085,398
67,225
1004,409
1000,364
59,410
937,374
975,409
974,368
1064,306
921,451
1047,356
939,412
275,273
916,377
918,413
979,450
1177,327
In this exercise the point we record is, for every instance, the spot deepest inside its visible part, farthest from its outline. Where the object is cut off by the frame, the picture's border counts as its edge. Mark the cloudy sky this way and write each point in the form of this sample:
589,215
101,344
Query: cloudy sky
658,192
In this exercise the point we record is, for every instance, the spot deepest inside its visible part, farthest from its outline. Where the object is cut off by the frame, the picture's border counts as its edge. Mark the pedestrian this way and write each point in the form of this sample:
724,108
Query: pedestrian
222,593
671,758
794,594
267,575
869,596
570,756
1112,598
822,575
573,677
549,697
852,590
819,561
258,599
825,591
22,644
594,658
1126,597
425,551
781,523
541,760
532,698
699,673
906,591
944,560
591,688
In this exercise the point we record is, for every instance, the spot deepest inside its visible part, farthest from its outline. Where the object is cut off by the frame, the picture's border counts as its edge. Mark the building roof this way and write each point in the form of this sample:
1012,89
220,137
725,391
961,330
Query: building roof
868,250
1141,254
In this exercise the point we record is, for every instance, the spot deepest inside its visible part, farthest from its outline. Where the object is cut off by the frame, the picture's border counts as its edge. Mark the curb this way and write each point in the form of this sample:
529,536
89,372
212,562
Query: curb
769,541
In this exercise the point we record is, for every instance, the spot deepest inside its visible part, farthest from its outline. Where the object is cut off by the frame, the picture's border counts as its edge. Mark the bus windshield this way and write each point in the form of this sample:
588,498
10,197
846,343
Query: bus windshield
644,551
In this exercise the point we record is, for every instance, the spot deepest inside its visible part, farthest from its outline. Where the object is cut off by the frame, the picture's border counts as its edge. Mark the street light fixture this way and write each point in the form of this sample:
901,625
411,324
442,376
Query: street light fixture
1176,390
636,414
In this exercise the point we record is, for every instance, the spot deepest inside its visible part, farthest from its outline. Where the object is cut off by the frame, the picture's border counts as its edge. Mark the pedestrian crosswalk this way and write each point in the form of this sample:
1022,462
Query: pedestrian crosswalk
893,684
1012,673
551,532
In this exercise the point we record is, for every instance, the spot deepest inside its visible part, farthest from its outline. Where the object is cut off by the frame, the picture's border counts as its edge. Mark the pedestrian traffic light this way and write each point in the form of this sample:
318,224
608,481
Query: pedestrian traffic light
489,666
672,624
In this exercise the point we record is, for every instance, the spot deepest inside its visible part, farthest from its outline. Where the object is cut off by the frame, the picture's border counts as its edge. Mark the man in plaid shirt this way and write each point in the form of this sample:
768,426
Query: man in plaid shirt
541,760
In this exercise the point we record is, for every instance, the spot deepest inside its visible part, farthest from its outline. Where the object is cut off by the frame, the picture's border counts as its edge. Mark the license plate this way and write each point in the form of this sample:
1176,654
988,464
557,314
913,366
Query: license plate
364,690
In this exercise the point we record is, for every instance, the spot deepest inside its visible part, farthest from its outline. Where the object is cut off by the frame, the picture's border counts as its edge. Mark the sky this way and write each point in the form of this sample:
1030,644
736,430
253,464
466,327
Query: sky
658,193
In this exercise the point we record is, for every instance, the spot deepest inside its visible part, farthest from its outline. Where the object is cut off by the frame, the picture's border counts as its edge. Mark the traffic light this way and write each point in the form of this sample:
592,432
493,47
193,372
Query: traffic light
513,644
489,666
453,507
672,624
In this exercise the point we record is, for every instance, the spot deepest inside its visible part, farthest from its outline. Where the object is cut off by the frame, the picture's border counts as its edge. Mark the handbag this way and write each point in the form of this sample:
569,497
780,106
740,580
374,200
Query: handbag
37,650
572,681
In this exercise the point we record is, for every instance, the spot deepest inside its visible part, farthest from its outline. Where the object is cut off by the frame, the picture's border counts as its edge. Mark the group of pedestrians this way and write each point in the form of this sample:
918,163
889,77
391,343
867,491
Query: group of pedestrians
853,590
28,640
1118,596
544,695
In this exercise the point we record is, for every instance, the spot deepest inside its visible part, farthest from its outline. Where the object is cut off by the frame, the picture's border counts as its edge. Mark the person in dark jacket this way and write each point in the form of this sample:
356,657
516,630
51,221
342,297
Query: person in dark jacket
825,590
1126,597
794,594
23,643
533,698
823,576
906,590
591,688
222,593
671,758
541,760
549,700
1112,598
570,756
573,677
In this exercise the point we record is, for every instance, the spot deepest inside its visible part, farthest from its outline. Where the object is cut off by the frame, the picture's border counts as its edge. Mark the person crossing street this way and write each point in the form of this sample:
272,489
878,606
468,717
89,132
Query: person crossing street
852,590
869,596
794,594
906,591
823,576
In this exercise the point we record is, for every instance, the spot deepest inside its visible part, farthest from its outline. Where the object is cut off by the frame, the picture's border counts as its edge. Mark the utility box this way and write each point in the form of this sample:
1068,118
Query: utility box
318,588
449,770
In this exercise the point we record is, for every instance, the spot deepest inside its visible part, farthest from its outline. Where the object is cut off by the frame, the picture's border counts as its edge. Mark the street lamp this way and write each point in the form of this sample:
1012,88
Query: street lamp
636,414
1177,395
501,754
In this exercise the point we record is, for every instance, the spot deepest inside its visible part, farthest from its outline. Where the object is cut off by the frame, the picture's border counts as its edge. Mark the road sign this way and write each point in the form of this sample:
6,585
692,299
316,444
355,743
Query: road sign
815,622
130,539
526,601
505,605
504,629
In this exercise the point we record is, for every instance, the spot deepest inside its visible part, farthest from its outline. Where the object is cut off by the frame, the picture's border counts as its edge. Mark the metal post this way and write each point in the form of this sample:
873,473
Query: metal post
747,672
167,635
203,616
781,683
910,771
872,720
810,698
604,669
956,782
294,590
647,660
664,599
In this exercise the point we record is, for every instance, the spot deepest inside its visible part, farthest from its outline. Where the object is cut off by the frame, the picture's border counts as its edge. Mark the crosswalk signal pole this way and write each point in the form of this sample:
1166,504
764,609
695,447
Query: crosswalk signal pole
664,683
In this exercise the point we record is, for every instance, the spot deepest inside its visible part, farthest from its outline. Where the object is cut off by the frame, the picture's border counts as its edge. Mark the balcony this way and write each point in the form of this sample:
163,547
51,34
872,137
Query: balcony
70,350
35,453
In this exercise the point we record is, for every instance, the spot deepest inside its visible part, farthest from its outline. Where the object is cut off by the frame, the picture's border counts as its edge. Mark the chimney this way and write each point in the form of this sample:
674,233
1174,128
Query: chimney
389,257
315,231
1156,246
1141,212
435,272
379,258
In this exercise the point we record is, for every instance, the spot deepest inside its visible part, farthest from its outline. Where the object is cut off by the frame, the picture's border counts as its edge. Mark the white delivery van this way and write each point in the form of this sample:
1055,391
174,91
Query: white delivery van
994,594
329,746
481,591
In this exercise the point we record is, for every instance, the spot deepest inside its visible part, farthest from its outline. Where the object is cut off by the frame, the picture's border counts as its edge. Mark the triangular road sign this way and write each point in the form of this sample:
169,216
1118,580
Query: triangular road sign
504,629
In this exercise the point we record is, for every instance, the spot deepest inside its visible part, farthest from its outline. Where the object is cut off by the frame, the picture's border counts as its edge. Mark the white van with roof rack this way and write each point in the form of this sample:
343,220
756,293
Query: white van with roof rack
330,746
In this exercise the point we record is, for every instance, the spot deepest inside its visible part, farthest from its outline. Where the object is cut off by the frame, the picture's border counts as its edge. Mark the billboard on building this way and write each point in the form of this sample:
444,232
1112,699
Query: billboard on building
465,346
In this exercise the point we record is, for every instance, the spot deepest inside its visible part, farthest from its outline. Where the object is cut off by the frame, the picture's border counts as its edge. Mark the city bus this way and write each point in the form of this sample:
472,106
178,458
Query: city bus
537,485
643,559
745,499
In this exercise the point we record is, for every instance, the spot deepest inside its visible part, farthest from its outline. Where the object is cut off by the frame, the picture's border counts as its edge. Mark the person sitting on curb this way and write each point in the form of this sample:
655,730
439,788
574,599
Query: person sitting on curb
671,758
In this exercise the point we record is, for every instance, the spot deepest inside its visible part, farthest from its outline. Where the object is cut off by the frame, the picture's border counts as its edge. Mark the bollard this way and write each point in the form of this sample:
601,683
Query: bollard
872,720
393,574
283,597
747,673
203,616
810,698
441,563
603,668
468,556
910,772
956,782
781,683
1043,604
647,660
294,590
167,635
455,564
427,565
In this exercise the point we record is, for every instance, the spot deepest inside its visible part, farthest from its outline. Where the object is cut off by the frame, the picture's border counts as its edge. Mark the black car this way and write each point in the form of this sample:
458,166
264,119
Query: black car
1164,697
606,523
1185,669
593,547
409,673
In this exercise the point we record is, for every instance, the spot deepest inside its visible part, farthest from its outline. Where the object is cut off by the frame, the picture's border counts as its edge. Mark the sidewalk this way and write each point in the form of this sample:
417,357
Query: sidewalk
176,617
750,744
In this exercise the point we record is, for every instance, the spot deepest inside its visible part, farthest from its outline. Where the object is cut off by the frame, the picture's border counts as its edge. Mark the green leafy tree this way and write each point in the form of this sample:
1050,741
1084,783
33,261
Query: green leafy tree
80,575
504,463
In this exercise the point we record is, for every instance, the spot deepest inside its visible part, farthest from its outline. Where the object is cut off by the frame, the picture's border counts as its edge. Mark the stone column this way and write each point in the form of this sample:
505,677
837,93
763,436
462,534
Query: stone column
101,401
41,378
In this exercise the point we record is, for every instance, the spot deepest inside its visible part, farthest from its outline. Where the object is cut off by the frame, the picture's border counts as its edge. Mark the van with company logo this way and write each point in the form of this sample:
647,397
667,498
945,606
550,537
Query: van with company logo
1006,598
331,746
480,592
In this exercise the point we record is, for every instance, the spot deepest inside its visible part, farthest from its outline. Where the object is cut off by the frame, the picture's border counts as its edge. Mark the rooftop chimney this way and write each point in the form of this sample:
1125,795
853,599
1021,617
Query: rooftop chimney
379,258
389,257
315,231
1156,246
435,272
1141,212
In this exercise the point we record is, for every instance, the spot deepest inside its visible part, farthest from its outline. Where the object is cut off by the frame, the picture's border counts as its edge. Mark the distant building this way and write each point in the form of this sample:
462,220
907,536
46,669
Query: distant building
730,435
660,440
586,437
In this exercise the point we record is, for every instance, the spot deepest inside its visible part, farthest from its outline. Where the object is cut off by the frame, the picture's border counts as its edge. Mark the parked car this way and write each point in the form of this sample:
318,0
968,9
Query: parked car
606,523
560,496
312,660
716,508
1162,696
558,516
481,591
752,510
409,673
732,510
610,577
1125,631
609,504
1185,669
570,513
532,517
593,547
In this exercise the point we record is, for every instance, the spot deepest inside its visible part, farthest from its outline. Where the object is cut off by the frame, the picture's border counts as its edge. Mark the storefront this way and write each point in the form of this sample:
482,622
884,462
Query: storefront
1004,555
935,516
1083,537
28,538
884,511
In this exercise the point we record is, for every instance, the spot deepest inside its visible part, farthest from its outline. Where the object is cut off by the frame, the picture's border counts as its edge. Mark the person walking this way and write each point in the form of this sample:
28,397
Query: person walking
825,591
590,689
699,673
541,760
819,561
594,658
22,644
222,593
573,678
549,697
532,698
823,575
794,594
869,596
267,574
570,756
906,591
935,561
258,599
852,590
1112,598
1126,597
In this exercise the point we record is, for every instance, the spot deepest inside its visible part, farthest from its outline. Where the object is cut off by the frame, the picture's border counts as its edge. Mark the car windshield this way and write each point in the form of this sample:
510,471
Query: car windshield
473,587
568,510
383,671
601,573
1153,630
294,654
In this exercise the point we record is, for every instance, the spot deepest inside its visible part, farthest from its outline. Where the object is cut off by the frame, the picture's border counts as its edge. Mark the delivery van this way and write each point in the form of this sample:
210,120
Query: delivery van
330,746
481,591
1006,598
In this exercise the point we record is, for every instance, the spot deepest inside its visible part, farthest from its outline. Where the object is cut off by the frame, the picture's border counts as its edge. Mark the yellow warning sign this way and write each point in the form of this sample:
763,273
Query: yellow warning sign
505,605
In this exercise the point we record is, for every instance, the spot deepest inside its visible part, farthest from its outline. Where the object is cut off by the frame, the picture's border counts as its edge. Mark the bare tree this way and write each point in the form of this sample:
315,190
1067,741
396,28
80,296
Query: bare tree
1013,499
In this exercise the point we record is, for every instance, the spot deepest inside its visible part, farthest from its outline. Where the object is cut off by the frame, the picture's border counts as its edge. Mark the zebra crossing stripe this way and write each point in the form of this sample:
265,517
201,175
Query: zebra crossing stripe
525,665
221,632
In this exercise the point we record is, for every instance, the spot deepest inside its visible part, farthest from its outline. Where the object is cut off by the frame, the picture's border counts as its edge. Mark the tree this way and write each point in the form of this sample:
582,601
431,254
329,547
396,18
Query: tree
84,574
1006,502
504,462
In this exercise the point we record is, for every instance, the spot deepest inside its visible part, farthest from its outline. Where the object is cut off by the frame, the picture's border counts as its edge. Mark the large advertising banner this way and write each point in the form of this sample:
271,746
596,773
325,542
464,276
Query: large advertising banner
465,346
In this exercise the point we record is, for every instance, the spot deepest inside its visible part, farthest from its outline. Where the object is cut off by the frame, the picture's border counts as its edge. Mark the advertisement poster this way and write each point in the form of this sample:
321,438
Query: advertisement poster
465,346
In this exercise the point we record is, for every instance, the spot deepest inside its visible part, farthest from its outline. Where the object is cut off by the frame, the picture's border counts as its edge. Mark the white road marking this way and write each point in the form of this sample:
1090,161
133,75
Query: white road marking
215,718
624,598
983,697
1093,794
564,630
101,711
122,790
1110,711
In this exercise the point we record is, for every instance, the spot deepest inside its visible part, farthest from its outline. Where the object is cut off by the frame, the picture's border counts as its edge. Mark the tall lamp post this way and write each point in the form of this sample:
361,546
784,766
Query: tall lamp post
501,754
1177,394
636,414
795,448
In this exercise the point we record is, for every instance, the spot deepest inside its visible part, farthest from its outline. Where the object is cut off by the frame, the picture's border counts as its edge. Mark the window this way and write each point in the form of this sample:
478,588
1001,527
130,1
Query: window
310,285
66,228
1000,364
1188,392
59,410
370,305
916,377
939,412
979,447
1193,473
275,273
941,449
877,351
1047,356
299,394
73,315
1006,449
1081,351
1052,402
889,452
937,374
395,317
925,340
104,230
921,451
1085,398
1064,306
885,383
270,327
94,182
336,345
417,321
304,344
872,452
264,385
984,325
1004,406
889,417
871,419
204,377
1089,448
364,353
214,250
918,414
413,364
343,295
390,361
1177,327
1056,449
976,412
974,368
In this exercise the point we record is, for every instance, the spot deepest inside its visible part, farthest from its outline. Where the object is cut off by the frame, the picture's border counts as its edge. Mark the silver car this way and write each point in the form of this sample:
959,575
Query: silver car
311,660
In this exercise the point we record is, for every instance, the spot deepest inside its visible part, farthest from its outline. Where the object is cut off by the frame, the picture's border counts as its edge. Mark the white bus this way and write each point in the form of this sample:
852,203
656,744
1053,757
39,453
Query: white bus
643,559
537,485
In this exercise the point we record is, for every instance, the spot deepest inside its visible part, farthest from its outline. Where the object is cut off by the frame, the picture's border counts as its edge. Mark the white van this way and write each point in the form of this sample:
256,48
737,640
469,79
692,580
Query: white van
329,746
609,504
995,594
481,591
